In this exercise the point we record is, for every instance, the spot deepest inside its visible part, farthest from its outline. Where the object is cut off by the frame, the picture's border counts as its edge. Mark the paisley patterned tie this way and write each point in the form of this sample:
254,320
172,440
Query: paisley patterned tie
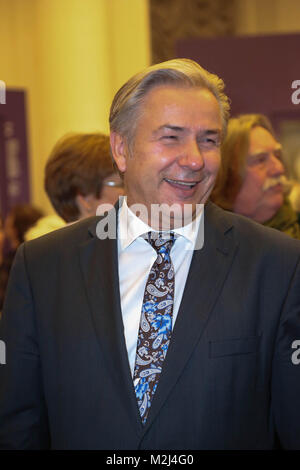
155,324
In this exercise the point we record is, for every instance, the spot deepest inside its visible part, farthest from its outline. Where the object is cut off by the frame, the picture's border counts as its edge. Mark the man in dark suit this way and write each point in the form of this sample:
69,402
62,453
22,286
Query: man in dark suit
100,354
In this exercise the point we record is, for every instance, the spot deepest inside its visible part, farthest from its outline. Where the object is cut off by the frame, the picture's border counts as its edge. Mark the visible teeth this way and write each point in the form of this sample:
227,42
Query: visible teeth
183,183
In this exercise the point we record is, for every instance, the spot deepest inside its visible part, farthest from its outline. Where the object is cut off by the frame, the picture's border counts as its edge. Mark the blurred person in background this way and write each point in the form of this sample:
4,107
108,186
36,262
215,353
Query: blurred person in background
79,176
252,180
1,260
294,197
1,239
18,221
44,225
294,194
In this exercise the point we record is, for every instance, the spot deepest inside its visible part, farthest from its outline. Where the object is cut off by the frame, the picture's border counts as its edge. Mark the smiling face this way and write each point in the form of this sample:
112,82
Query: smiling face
261,194
176,151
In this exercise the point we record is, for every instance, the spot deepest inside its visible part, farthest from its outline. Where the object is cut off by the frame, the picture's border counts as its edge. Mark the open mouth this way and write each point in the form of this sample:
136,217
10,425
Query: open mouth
182,184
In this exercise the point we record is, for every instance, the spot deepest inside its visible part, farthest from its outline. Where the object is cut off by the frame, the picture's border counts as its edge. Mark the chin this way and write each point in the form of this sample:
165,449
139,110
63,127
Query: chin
170,215
271,212
278,201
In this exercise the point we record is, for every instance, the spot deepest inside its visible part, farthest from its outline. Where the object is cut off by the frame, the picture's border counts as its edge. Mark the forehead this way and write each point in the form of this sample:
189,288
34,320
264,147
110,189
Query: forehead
192,106
261,140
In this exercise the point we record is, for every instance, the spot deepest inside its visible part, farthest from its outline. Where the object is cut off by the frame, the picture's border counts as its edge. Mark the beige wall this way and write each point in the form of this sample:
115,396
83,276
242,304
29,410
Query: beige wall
71,56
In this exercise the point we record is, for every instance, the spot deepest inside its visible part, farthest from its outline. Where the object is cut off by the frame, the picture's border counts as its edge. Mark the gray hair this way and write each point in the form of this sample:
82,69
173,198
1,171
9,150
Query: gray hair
126,106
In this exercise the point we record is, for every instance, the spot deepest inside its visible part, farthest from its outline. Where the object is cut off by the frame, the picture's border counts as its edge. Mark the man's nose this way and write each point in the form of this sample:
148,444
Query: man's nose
276,166
191,156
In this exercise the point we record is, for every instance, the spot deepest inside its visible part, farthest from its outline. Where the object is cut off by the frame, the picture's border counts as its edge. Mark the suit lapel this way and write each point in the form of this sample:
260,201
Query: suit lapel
209,267
99,265
207,274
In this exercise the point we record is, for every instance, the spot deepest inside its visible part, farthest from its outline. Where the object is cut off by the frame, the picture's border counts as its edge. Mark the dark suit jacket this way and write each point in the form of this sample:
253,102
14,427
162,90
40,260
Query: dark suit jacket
228,381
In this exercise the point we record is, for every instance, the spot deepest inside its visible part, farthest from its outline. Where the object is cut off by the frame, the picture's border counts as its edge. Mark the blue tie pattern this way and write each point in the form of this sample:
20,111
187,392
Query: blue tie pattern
155,325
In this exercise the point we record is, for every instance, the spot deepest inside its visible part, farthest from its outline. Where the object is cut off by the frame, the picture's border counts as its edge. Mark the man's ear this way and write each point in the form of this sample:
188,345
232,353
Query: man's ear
119,150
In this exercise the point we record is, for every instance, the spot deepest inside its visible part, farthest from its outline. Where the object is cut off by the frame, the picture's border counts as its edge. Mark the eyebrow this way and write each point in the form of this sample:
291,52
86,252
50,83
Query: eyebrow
264,152
212,131
253,156
169,127
184,129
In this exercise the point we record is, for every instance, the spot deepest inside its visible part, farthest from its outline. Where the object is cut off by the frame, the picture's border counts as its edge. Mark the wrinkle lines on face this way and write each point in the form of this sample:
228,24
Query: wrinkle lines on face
177,141
261,192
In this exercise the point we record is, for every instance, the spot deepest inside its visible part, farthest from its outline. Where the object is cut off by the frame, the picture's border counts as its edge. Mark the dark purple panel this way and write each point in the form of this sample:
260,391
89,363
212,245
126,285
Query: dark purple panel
258,71
14,171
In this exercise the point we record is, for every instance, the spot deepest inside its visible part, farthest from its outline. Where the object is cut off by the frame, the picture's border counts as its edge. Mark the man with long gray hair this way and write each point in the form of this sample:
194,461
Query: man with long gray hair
252,180
172,331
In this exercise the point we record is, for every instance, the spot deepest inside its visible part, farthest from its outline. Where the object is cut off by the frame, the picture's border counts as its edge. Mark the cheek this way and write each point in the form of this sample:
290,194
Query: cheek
149,162
159,157
255,179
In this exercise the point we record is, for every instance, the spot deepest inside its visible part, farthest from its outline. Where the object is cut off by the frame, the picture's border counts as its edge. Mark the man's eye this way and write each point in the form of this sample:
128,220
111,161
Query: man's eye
261,159
258,159
169,137
208,141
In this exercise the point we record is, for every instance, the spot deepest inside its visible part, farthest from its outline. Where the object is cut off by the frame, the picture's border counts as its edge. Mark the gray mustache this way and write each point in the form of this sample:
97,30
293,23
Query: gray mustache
282,180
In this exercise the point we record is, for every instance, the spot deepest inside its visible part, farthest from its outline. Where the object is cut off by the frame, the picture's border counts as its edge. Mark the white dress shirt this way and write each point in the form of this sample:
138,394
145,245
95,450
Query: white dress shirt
136,257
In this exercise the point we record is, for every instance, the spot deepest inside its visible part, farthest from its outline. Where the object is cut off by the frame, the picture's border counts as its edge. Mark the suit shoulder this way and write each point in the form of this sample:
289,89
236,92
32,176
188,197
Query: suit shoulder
248,232
63,239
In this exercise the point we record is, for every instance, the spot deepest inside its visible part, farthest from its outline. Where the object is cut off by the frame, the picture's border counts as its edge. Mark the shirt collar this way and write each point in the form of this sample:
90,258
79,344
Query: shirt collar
131,227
